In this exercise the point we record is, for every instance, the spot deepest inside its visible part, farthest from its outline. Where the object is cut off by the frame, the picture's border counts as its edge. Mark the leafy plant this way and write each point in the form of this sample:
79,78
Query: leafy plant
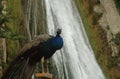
13,36
117,2
117,39
1,7
113,62
96,17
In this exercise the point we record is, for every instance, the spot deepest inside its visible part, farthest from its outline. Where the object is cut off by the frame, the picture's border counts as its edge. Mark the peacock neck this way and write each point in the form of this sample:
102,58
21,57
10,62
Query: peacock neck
57,34
57,42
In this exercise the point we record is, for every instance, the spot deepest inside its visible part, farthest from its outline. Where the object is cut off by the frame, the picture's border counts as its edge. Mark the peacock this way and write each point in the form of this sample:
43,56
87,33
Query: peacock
42,47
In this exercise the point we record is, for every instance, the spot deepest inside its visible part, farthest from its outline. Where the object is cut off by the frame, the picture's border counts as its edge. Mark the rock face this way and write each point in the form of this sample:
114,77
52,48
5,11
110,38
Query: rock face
112,15
109,21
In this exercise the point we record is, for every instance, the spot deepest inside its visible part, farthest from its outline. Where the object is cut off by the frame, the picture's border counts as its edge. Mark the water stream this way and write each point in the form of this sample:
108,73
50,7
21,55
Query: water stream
76,60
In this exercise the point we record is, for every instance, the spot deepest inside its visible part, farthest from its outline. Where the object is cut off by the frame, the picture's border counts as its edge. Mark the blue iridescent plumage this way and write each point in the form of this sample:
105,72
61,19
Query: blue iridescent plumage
57,42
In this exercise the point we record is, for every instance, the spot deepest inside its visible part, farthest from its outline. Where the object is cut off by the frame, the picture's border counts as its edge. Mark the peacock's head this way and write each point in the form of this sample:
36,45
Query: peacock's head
59,31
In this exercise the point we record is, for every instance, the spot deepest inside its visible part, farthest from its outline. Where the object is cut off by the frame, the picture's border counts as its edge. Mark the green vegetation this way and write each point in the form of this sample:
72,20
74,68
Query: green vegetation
96,17
117,2
117,39
13,29
115,60
117,42
15,35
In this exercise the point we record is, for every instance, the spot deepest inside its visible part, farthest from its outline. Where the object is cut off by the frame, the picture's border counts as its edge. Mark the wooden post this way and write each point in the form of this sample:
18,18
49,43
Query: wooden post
0,71
3,53
3,42
3,48
43,75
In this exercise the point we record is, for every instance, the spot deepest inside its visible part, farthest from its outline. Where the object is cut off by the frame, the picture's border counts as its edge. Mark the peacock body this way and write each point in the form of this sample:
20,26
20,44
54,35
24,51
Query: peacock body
22,67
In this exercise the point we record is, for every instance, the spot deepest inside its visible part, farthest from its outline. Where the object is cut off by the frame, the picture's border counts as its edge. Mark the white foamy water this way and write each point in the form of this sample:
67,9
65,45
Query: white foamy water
76,60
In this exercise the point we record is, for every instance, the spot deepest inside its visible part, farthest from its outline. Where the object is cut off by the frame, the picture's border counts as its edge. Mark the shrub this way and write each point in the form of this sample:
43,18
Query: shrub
117,39
96,17
117,2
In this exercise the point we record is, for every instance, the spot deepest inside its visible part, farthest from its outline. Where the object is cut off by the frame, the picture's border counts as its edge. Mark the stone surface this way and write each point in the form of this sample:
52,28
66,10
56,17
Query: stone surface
112,15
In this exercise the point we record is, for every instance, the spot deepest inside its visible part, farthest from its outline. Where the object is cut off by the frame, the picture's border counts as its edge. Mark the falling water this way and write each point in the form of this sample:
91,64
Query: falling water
27,18
76,60
30,18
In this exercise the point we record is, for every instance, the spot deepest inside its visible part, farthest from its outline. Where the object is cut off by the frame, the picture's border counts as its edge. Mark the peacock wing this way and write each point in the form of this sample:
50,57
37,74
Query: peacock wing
19,64
35,42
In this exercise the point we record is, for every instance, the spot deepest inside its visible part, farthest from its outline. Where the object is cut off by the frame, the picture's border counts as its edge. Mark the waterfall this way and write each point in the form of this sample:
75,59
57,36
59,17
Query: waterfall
76,60
31,18
35,19
27,18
